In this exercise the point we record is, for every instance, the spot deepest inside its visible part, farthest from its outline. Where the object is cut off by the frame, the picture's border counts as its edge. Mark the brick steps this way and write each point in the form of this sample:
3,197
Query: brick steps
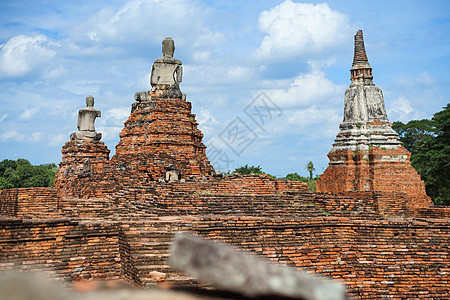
149,243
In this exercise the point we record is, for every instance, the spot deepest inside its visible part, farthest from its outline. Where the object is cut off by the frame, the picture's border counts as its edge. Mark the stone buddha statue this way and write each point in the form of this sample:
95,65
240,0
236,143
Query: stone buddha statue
167,72
86,120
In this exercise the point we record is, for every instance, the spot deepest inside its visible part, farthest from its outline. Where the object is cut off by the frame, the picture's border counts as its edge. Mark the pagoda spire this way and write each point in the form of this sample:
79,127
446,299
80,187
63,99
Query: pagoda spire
361,71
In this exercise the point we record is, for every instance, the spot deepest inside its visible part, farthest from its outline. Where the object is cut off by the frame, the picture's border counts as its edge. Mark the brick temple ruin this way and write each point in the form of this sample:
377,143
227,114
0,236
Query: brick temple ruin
371,225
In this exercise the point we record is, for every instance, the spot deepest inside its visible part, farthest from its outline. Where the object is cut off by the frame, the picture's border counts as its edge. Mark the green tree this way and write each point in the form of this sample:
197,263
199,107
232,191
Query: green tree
21,173
296,177
310,168
247,170
429,144
414,132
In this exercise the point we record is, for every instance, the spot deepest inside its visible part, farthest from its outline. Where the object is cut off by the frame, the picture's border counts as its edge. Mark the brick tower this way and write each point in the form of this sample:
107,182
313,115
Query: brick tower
367,154
160,139
84,155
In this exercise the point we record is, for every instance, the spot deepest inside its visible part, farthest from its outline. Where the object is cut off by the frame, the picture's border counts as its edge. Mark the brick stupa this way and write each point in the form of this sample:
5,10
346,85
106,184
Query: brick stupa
367,154
161,134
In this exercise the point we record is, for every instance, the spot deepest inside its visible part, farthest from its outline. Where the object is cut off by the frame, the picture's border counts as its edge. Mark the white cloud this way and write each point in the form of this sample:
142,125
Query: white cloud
22,54
313,115
422,79
206,121
11,135
109,133
201,56
217,75
114,117
301,28
144,21
37,136
306,88
402,110
425,78
58,140
29,113
54,73
3,117
119,113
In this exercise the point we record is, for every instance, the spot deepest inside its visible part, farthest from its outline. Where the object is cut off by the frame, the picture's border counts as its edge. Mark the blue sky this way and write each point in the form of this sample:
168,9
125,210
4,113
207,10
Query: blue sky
55,53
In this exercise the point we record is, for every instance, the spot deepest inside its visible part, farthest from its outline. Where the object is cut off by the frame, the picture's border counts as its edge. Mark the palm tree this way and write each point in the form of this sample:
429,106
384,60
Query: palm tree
310,168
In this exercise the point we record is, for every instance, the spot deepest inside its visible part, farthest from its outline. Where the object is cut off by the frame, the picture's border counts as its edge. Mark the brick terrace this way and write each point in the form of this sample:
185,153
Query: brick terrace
378,250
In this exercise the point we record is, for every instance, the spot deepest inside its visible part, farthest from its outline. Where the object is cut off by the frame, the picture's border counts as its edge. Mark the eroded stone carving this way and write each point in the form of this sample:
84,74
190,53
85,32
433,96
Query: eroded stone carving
167,72
86,120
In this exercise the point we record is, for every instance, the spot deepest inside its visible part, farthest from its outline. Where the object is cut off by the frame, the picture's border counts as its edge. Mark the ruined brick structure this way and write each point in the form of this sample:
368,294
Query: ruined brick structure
115,219
367,154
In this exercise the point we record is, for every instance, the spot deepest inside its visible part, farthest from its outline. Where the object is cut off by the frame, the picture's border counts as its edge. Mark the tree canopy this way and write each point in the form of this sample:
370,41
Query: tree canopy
21,173
310,168
429,144
247,170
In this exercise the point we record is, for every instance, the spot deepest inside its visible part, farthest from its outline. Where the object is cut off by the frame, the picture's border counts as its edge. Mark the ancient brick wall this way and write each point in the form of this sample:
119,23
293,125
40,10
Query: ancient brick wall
88,208
376,259
235,185
69,249
29,202
402,259
435,211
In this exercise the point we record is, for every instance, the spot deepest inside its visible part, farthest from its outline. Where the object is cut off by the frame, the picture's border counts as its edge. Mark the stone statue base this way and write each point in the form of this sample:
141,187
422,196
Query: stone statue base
167,91
85,135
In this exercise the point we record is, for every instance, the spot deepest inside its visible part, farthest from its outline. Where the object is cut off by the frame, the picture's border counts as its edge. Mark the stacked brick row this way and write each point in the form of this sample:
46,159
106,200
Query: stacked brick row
374,257
29,202
68,249
119,177
88,208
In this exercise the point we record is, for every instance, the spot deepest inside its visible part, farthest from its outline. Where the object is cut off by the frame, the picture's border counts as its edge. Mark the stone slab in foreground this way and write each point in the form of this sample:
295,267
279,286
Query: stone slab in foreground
225,268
